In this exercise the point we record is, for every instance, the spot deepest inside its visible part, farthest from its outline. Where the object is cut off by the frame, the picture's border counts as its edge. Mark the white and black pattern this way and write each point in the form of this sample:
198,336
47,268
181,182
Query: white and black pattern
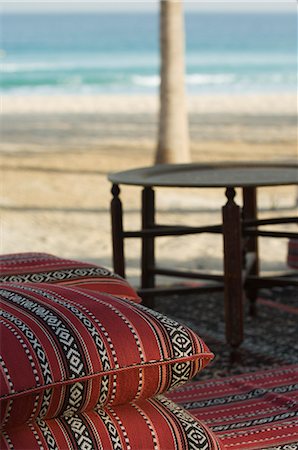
255,422
244,415
120,424
74,398
4,368
244,396
46,401
253,377
122,317
67,321
67,343
113,380
131,328
140,386
112,430
47,434
156,445
104,358
7,440
34,370
82,316
104,389
101,348
65,334
39,351
180,373
11,389
181,340
291,446
35,434
35,406
79,429
53,276
182,346
196,435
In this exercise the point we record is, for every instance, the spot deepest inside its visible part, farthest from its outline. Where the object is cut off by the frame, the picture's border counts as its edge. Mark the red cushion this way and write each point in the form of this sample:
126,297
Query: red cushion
251,411
45,268
150,424
68,349
292,258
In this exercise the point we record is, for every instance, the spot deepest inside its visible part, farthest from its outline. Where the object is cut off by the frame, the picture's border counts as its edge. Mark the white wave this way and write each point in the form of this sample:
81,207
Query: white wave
207,79
11,67
146,80
202,59
100,61
191,79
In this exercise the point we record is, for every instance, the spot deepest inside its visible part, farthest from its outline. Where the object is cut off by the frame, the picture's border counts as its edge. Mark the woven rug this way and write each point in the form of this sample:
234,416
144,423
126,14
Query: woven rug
249,411
270,338
250,403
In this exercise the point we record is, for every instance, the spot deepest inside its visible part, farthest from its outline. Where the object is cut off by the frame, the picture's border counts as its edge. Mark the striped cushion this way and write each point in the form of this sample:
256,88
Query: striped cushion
251,411
155,424
45,268
293,253
68,349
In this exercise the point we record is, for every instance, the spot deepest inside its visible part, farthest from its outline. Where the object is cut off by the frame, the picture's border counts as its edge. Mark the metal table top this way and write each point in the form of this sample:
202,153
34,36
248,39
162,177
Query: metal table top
210,175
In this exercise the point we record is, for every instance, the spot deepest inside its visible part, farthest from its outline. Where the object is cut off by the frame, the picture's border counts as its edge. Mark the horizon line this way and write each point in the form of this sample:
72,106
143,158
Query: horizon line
125,6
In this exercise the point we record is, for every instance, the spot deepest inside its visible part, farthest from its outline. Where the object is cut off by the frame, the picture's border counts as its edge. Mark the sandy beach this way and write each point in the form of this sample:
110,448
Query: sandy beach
56,153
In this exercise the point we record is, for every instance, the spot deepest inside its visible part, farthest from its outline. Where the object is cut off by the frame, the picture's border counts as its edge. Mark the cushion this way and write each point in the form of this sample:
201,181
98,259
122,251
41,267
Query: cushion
156,424
292,258
257,410
45,268
68,349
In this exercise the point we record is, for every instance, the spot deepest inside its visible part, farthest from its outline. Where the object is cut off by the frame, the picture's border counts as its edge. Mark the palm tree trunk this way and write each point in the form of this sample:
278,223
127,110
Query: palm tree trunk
173,138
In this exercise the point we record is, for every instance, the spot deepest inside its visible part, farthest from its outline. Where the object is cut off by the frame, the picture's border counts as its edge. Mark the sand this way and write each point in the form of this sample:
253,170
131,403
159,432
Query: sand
56,153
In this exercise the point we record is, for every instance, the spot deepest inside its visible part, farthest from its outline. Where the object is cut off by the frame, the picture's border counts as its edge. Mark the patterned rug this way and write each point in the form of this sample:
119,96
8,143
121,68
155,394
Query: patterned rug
248,411
250,403
270,338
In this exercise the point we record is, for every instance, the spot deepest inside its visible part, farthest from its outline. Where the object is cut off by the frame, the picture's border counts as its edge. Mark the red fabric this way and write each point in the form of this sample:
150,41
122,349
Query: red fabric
293,253
45,268
66,350
251,411
155,424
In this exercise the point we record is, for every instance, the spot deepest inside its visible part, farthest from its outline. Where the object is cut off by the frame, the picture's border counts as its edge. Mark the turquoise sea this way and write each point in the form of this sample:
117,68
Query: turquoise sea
118,53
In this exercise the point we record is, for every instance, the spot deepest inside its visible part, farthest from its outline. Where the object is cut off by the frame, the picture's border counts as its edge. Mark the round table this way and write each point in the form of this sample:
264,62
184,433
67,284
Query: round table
239,225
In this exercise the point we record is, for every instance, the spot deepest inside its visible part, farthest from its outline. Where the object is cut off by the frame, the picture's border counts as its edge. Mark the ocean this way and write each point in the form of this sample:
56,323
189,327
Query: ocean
118,53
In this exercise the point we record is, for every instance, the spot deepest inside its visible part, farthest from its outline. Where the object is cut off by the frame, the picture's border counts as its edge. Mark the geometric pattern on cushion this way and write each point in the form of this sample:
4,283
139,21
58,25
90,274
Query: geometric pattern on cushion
65,350
45,268
292,258
252,411
155,424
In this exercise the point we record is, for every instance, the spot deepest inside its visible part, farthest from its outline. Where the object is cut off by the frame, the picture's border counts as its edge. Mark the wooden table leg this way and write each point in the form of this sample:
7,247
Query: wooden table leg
233,289
148,256
117,232
249,212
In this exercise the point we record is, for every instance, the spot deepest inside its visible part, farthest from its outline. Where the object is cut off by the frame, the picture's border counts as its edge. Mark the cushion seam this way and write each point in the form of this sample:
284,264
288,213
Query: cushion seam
198,356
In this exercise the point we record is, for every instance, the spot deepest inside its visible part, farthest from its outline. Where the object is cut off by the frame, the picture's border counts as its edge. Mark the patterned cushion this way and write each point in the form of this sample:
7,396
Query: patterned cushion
149,424
45,268
68,349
